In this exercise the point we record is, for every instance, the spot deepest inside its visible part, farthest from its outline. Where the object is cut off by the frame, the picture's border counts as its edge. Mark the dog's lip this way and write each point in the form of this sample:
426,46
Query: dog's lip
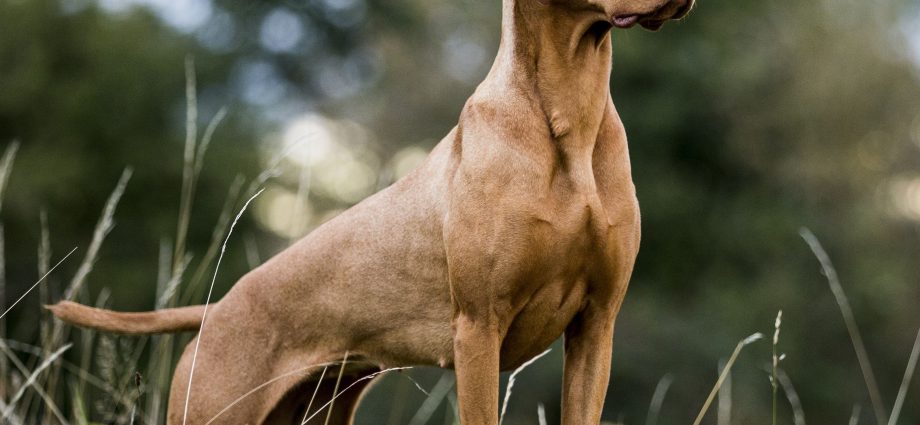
624,21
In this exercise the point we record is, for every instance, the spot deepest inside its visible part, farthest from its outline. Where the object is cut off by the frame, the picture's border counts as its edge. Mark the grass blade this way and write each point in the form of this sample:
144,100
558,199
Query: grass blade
6,166
37,283
654,407
335,390
854,416
31,379
315,391
725,371
103,227
188,162
265,384
356,382
774,384
878,406
798,413
905,383
204,314
49,401
206,139
514,374
431,403
724,411
217,235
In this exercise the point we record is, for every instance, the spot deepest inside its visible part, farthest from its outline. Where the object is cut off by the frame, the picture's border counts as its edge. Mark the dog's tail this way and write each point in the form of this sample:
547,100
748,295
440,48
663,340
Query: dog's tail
183,319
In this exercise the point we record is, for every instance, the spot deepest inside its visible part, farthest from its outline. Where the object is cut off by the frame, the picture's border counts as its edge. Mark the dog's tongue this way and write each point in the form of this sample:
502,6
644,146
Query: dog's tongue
625,21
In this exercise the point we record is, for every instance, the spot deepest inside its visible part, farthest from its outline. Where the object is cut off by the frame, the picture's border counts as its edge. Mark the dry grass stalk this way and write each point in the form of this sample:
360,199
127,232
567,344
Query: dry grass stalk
36,283
315,391
206,140
514,374
259,387
661,390
11,405
335,390
6,166
87,341
454,407
724,411
434,399
188,162
798,412
878,405
204,314
217,235
854,416
49,401
417,385
905,382
44,266
103,227
774,384
161,358
356,382
725,371
70,367
165,297
192,163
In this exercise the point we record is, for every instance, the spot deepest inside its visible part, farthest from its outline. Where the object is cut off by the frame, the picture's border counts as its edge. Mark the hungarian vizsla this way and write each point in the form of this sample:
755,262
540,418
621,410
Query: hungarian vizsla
521,225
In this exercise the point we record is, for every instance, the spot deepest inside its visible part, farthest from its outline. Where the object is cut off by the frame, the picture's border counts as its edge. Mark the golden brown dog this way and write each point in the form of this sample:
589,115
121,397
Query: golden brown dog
521,226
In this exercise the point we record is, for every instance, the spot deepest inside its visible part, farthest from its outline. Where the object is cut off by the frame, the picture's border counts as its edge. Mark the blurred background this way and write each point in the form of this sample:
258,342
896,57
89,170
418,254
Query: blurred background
747,121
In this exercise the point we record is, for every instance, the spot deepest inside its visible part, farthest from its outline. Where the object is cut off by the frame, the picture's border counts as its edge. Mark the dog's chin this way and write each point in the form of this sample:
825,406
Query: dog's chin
652,25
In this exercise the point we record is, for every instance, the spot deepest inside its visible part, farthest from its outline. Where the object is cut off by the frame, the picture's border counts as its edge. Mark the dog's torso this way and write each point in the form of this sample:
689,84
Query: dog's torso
533,214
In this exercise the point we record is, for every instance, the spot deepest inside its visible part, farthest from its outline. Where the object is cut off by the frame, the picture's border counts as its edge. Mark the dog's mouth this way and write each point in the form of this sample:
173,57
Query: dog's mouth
654,20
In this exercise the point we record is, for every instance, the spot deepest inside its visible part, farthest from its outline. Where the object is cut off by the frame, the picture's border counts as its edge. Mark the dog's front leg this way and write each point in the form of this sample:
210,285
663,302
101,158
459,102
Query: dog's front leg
588,347
476,360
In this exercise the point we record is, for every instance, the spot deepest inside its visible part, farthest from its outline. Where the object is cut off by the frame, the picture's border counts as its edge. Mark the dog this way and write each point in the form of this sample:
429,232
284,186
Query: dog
520,226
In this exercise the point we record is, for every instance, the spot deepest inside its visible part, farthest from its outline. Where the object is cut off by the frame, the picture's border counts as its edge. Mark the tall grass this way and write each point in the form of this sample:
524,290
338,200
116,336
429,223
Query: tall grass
725,371
878,406
6,166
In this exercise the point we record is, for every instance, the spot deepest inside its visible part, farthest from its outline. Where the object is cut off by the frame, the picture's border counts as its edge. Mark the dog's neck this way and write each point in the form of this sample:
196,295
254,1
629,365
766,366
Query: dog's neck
561,59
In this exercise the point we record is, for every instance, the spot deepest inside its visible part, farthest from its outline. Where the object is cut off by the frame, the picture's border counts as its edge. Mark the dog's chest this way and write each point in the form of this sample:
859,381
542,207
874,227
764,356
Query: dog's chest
573,223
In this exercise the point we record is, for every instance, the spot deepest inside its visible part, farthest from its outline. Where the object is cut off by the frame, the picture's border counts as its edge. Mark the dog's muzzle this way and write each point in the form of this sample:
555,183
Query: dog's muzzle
670,10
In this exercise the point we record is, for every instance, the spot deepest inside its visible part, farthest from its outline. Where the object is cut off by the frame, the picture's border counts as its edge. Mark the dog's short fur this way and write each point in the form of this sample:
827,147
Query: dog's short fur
521,226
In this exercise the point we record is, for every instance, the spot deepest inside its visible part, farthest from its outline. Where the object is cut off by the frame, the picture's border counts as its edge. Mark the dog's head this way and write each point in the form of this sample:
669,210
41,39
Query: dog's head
650,14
